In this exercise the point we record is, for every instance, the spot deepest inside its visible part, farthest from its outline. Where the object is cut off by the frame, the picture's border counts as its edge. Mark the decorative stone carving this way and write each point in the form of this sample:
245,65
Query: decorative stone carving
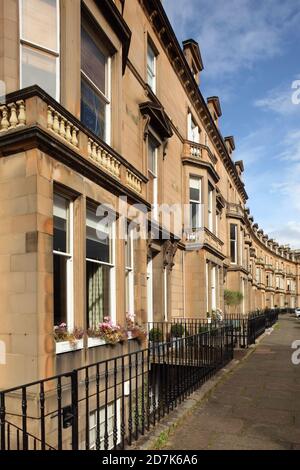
169,251
146,122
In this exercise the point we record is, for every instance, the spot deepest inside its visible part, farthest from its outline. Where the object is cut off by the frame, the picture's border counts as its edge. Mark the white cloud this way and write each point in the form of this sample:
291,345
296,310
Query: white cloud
234,35
279,100
291,144
288,234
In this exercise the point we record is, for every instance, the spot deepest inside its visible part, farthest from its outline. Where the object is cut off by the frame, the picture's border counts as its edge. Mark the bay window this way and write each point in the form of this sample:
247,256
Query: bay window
95,84
39,45
233,243
100,273
195,202
129,271
63,260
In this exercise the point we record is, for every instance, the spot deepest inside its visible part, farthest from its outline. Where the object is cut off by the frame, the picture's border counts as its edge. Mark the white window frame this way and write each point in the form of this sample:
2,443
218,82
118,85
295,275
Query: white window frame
153,73
217,224
165,281
69,256
194,201
112,271
193,131
235,243
150,290
129,272
213,287
210,204
241,247
107,97
94,426
38,47
207,286
154,175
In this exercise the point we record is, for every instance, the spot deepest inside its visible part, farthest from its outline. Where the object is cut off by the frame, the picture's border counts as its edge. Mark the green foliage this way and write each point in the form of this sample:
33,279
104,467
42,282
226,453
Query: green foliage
177,330
155,335
203,329
233,298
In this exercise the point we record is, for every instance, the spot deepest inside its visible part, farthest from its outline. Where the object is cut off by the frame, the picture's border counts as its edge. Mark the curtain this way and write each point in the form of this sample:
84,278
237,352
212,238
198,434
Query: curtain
97,293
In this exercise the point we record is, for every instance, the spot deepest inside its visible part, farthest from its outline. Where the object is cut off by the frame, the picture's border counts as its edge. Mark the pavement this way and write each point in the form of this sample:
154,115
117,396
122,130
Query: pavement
257,405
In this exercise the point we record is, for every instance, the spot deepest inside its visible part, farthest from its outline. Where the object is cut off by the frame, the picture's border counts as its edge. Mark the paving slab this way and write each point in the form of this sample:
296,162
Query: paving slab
257,406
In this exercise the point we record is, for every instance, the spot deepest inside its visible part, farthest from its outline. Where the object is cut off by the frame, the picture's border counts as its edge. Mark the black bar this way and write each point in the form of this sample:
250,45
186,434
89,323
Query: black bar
74,393
2,420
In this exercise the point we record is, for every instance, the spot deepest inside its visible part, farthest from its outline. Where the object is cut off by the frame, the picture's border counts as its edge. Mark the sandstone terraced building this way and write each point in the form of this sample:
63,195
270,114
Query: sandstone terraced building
102,102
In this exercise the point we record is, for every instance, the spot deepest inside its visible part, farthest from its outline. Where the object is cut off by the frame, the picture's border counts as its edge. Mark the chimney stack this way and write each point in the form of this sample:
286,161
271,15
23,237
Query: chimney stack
214,107
193,57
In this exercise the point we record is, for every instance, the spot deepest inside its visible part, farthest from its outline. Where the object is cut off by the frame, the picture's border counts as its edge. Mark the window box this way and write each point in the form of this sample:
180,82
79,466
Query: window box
93,342
67,346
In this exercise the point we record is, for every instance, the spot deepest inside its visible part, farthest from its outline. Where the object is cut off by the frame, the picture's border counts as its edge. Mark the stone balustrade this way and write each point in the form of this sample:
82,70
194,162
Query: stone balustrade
61,126
133,181
12,115
195,150
34,108
103,158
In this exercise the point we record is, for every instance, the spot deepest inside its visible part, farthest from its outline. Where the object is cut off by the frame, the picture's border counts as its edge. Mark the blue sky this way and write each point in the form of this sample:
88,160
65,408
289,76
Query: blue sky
251,55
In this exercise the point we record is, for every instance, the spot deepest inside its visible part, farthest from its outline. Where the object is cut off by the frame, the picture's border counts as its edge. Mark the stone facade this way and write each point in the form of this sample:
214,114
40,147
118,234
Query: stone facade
46,147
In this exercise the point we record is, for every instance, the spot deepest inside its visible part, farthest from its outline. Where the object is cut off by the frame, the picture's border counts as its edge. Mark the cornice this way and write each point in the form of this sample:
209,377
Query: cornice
35,137
119,25
166,35
195,161
254,236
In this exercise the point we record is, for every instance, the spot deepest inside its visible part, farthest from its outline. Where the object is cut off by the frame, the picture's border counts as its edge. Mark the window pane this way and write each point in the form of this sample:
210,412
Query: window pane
60,222
195,189
98,246
39,22
93,61
151,58
232,231
232,252
92,110
194,215
194,194
97,292
128,252
152,156
60,289
39,68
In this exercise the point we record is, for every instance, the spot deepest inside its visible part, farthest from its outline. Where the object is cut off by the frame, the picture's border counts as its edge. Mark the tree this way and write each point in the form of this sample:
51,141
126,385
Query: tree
233,298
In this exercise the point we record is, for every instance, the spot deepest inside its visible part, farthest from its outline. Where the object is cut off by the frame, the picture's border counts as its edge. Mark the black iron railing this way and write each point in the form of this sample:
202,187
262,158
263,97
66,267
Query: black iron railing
246,328
109,404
